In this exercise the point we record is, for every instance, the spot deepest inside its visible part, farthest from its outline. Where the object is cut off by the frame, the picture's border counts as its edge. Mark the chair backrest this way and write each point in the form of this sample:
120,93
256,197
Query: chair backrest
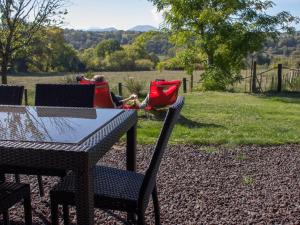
163,93
151,173
64,95
11,95
102,97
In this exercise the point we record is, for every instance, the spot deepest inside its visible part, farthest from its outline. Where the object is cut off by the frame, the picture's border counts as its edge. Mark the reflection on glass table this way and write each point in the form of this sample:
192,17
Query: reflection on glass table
52,124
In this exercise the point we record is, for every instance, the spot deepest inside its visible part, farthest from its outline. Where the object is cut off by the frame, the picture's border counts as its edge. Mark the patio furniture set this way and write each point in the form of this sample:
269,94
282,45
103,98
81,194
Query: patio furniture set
64,135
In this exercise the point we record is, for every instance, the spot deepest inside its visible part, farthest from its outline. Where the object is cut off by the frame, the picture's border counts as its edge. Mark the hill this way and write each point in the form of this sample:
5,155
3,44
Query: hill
97,29
143,28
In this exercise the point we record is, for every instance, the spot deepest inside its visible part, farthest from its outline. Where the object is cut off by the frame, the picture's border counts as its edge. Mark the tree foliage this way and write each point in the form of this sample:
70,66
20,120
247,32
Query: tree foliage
224,32
106,47
20,22
48,53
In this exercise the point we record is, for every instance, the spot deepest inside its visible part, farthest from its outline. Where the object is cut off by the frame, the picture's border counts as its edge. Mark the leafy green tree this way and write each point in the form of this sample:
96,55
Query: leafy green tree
107,47
119,61
49,52
188,59
143,64
20,21
224,32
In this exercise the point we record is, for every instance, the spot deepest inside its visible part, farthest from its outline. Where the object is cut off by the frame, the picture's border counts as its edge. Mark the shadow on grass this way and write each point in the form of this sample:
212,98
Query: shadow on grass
286,97
194,124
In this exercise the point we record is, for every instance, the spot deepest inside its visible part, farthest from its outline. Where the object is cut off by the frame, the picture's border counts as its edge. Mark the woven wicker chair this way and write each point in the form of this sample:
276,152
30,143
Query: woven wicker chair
12,193
11,95
122,190
65,95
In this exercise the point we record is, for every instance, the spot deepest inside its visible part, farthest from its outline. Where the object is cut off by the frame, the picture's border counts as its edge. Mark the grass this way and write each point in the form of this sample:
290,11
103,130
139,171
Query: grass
211,118
209,149
241,156
247,180
214,118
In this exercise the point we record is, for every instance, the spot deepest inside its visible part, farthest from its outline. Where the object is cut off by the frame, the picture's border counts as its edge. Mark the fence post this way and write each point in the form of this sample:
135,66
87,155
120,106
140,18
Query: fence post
279,83
184,85
26,96
120,89
254,88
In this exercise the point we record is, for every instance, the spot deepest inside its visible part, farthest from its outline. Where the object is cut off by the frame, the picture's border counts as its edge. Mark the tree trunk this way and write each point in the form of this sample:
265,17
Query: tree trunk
210,60
4,71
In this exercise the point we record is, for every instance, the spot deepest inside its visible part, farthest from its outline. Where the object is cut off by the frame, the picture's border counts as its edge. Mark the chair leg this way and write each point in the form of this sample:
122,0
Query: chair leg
66,214
27,210
156,206
2,177
17,178
141,219
54,212
41,187
5,218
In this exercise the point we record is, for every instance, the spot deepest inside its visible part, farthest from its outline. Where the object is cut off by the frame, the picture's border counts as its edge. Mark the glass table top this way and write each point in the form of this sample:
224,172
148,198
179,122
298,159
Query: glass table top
52,124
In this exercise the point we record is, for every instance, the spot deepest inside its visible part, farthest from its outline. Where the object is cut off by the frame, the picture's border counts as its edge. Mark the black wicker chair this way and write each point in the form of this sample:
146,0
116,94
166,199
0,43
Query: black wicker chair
65,95
122,190
11,95
12,193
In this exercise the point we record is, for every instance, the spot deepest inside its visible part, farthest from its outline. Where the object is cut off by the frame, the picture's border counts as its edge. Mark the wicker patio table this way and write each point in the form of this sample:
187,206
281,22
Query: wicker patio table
56,138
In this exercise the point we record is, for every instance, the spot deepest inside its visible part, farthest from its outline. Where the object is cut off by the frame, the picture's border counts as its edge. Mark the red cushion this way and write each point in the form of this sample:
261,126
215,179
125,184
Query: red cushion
102,98
163,93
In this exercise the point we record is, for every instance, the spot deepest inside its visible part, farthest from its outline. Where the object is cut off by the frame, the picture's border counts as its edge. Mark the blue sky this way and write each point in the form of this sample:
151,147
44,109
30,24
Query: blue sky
124,14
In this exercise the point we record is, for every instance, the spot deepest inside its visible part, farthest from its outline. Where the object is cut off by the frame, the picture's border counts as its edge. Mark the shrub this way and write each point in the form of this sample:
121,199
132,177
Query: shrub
143,64
70,79
119,61
170,64
134,85
213,79
89,74
294,84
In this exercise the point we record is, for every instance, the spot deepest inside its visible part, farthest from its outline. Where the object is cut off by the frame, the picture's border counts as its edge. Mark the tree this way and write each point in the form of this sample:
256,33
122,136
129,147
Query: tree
188,58
107,47
224,32
20,22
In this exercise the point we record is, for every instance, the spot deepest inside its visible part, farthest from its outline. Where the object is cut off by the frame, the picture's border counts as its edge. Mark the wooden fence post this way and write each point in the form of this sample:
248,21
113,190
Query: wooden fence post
26,96
279,83
120,89
184,85
254,88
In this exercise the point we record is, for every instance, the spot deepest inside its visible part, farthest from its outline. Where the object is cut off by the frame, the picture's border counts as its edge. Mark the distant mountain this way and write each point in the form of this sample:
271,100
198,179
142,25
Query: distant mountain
97,29
143,28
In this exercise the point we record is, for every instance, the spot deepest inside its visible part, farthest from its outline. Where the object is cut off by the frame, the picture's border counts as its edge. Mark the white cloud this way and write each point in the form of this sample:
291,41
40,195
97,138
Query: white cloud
157,16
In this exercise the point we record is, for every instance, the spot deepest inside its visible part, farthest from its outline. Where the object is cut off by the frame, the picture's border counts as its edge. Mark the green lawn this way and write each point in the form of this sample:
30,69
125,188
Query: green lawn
211,117
233,119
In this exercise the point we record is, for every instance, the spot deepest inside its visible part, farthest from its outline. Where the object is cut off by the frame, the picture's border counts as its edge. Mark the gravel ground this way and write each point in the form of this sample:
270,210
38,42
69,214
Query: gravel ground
207,185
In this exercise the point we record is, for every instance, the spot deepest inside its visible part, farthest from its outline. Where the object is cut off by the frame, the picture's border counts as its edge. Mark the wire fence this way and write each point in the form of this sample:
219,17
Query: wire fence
277,79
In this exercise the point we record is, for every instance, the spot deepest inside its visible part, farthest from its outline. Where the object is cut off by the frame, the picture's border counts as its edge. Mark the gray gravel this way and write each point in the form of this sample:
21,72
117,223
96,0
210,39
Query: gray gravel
242,185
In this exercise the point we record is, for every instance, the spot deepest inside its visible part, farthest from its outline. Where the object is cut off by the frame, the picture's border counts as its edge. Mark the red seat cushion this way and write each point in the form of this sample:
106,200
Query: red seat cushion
102,98
163,93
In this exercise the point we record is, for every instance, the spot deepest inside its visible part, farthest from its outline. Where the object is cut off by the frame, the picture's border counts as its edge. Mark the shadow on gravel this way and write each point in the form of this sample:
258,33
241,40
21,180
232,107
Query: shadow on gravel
194,124
286,97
